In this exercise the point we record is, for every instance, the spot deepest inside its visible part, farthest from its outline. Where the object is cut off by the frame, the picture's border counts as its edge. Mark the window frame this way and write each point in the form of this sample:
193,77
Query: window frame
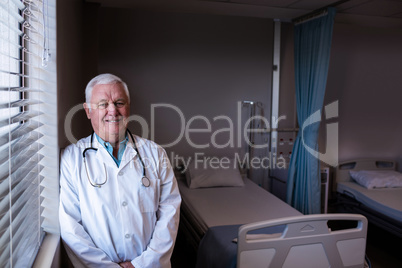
33,99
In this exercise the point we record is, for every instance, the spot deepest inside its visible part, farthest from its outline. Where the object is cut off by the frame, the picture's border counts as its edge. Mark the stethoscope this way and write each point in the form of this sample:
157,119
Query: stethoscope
144,180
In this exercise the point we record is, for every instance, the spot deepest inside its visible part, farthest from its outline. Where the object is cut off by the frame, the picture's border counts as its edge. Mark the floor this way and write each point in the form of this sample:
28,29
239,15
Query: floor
383,250
184,255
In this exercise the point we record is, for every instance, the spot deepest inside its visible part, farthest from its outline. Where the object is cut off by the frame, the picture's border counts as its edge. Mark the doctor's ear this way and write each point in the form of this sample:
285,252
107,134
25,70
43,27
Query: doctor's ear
87,111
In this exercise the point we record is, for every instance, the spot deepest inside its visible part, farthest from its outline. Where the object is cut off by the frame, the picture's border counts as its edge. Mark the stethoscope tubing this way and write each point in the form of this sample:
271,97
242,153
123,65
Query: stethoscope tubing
144,180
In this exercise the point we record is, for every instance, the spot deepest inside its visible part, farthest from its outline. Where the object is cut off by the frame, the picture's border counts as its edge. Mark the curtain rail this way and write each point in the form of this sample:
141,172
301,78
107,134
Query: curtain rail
316,13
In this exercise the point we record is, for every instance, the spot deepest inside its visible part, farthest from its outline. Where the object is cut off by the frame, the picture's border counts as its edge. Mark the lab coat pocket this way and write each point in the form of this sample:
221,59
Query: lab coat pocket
149,196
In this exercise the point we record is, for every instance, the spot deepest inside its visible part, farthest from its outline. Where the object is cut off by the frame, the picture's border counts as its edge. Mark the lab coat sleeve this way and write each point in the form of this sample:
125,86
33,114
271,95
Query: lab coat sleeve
160,247
79,246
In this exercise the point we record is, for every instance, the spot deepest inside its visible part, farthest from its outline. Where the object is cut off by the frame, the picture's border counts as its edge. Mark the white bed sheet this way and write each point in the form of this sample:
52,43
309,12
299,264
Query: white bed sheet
388,201
233,205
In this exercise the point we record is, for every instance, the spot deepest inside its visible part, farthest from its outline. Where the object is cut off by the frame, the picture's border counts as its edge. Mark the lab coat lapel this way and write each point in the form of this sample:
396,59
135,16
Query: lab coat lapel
128,155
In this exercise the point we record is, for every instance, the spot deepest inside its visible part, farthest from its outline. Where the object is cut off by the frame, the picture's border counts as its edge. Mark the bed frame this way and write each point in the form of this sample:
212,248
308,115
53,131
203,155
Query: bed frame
191,229
303,235
306,242
194,227
348,204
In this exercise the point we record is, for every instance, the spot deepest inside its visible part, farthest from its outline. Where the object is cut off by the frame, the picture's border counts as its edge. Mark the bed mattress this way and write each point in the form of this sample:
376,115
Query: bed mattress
209,207
387,201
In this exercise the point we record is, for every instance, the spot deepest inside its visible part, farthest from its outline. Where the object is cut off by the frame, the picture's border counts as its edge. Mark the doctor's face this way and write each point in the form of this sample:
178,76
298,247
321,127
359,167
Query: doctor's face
110,108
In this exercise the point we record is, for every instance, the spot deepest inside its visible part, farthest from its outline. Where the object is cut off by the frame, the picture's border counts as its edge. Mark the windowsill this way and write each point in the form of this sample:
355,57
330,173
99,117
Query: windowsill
48,255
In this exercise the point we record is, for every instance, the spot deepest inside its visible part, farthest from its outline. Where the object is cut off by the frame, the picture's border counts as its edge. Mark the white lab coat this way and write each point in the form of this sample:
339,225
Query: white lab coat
122,220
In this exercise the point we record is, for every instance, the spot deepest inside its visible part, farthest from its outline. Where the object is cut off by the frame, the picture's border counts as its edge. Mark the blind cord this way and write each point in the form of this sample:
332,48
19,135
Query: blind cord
46,50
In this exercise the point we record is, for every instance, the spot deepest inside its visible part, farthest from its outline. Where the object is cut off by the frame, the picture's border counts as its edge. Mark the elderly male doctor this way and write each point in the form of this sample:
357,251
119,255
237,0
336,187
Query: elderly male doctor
119,200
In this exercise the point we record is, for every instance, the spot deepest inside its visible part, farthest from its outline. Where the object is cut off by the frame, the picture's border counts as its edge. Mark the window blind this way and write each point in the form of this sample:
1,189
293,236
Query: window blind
28,129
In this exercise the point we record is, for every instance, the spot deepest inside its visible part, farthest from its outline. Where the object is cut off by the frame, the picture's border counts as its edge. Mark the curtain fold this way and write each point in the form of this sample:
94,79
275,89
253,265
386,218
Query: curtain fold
312,52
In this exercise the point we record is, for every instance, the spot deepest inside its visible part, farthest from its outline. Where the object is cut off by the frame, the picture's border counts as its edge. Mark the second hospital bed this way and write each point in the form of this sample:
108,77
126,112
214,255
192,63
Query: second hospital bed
221,211
373,188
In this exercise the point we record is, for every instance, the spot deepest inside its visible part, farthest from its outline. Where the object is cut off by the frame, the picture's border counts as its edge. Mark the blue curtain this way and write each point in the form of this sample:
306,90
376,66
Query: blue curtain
312,51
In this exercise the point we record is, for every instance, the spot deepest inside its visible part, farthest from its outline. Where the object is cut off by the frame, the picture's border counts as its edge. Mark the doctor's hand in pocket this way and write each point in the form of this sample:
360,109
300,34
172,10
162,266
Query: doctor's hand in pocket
126,264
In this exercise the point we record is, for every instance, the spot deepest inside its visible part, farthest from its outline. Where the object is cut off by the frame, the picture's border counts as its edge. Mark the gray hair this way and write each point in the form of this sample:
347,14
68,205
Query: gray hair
103,79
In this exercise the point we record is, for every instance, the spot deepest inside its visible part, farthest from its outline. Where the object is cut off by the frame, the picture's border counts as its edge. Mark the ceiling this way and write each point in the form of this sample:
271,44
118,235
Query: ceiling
276,9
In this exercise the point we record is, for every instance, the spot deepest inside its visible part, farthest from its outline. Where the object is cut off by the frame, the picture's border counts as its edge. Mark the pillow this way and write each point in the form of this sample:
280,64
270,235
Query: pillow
377,178
213,172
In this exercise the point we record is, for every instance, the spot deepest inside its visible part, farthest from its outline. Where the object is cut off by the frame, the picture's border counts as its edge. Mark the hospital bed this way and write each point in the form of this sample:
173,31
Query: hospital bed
372,188
232,222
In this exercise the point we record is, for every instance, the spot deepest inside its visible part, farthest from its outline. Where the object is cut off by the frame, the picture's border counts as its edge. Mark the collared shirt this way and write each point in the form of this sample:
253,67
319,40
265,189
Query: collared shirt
109,148
122,220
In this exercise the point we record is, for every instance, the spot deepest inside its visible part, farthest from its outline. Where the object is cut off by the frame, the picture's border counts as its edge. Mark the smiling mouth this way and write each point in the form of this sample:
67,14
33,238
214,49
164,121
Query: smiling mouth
113,121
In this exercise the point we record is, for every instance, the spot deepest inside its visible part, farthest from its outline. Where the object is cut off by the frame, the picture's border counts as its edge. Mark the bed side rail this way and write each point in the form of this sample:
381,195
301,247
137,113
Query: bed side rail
307,241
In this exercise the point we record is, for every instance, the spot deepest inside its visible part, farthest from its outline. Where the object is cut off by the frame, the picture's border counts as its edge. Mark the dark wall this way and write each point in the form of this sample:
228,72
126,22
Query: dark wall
201,64
365,76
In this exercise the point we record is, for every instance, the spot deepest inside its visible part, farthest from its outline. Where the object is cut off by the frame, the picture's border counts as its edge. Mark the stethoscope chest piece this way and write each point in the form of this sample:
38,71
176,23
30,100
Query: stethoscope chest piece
145,182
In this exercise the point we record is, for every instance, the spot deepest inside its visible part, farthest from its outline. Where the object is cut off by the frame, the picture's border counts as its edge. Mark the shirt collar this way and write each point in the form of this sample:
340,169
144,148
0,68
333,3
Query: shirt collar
109,148
107,144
